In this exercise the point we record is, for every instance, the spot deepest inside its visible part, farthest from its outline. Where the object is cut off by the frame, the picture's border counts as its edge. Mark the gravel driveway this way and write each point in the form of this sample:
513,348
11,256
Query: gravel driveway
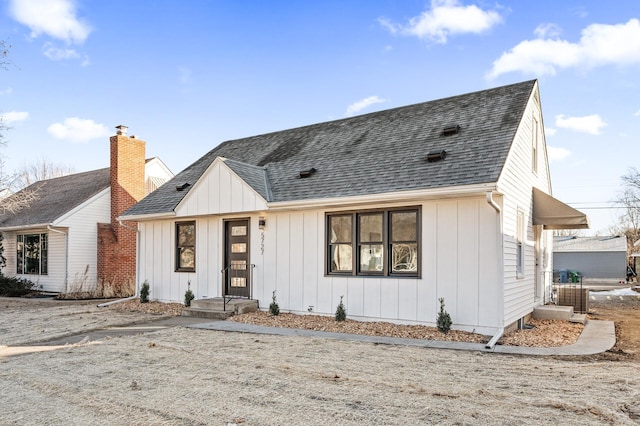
180,376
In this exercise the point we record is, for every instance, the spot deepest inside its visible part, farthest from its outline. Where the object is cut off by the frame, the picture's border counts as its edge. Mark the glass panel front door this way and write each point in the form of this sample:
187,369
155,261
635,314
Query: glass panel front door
237,266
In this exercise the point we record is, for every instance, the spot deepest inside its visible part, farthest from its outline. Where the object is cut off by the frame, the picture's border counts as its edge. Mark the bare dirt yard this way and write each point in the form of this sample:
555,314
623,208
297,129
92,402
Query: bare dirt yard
171,375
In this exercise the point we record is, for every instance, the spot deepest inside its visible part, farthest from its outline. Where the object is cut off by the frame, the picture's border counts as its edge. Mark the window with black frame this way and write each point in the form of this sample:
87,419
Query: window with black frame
186,246
374,243
32,253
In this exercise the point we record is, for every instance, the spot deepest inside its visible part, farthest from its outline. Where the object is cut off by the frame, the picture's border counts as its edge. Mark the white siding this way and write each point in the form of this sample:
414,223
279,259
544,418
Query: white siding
220,190
459,262
516,183
73,250
54,280
82,235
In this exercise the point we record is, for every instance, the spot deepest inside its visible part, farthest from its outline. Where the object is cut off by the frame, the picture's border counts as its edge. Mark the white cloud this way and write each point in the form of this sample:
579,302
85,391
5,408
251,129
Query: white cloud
75,129
599,45
55,18
13,117
590,124
557,154
444,19
358,106
56,54
550,131
637,113
547,30
6,92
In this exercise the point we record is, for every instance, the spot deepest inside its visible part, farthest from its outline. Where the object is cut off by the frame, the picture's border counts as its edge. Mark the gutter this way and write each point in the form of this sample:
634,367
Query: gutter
498,209
137,292
495,338
66,256
386,198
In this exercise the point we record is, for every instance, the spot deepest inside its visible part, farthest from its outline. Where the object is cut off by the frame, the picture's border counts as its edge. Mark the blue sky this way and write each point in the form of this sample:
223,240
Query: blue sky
187,75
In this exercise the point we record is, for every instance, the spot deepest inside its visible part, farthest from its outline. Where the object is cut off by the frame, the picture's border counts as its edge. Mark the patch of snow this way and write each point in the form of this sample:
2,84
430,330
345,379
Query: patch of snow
617,292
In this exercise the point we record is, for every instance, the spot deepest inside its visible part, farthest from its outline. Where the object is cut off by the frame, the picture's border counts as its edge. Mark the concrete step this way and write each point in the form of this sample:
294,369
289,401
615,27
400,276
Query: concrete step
206,313
553,312
580,318
215,309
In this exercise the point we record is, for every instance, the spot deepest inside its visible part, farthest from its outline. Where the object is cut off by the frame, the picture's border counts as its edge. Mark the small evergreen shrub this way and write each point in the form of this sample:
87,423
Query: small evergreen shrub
274,309
15,287
444,319
144,292
341,312
188,295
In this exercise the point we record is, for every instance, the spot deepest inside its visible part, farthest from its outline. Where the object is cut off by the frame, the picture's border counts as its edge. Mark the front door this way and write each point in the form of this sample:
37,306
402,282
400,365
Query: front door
237,267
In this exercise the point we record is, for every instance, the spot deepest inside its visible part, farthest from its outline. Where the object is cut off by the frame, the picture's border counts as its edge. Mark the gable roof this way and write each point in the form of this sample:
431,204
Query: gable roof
57,196
606,243
375,153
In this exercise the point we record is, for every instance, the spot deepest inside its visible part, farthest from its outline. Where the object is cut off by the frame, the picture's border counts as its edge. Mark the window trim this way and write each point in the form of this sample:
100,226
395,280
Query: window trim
40,235
387,243
520,244
177,246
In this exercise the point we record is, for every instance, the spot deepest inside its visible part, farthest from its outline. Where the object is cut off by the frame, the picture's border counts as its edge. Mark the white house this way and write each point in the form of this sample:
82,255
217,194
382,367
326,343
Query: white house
66,240
392,210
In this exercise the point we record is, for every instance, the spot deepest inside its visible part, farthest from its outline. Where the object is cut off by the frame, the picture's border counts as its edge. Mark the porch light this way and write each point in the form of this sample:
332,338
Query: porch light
262,222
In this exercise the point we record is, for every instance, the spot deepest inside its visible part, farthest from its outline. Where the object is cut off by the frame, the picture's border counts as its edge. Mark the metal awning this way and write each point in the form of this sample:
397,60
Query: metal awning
554,214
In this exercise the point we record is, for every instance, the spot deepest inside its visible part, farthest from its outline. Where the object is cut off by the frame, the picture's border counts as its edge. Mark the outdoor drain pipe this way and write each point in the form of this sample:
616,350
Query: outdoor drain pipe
498,210
137,292
66,256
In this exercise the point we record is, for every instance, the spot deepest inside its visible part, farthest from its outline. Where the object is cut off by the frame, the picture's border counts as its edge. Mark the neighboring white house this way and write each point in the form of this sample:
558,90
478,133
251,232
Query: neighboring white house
55,241
592,257
392,210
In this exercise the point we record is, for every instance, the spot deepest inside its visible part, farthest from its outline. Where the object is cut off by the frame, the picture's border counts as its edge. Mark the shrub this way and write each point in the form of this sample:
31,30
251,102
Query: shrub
341,313
15,287
444,319
274,309
144,292
188,295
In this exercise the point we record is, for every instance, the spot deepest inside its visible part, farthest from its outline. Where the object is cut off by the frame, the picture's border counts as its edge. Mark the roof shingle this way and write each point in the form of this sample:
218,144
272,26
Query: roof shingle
376,153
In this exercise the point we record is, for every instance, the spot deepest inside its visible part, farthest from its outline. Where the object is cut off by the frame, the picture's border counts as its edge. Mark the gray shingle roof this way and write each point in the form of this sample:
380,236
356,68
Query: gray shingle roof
374,153
592,244
57,196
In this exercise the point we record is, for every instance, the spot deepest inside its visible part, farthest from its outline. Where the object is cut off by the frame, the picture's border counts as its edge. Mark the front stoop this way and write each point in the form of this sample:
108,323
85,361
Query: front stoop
214,308
563,313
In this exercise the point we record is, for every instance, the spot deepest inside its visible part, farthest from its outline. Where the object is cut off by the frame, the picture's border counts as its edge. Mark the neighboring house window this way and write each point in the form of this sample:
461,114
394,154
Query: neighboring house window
185,246
520,245
534,146
379,243
32,254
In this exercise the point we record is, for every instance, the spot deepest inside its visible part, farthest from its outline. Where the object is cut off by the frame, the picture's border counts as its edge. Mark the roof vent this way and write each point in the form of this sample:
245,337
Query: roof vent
182,186
434,156
307,173
451,130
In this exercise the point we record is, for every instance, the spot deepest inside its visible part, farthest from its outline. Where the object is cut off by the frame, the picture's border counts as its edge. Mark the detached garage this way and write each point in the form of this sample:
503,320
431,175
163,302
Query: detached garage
592,257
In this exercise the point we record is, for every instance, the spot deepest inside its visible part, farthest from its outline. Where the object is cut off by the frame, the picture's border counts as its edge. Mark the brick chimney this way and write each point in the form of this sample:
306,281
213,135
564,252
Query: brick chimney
116,243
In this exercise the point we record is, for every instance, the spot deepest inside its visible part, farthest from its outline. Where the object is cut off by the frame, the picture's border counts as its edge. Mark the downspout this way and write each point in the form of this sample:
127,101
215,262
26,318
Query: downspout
137,292
498,210
66,256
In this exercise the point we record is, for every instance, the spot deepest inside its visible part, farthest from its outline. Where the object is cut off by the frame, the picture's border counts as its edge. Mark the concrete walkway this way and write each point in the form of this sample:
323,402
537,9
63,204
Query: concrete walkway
597,337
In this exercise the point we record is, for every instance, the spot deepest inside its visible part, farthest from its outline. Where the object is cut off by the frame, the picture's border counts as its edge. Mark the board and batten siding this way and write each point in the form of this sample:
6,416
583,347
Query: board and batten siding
516,183
220,190
460,262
